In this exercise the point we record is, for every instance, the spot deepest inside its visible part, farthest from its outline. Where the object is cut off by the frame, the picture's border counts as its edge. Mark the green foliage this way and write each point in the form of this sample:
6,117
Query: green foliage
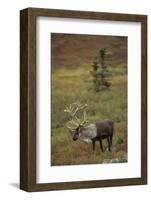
120,140
95,66
102,56
100,73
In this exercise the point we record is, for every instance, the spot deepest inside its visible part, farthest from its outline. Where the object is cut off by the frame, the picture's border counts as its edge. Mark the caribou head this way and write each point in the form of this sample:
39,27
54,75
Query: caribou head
75,124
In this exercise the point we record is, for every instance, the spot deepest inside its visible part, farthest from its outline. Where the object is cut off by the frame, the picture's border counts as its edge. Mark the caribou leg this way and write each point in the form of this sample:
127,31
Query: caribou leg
93,143
111,139
109,143
101,146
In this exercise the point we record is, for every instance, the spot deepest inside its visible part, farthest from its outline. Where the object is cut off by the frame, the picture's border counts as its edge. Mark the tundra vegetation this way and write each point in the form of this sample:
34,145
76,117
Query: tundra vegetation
72,57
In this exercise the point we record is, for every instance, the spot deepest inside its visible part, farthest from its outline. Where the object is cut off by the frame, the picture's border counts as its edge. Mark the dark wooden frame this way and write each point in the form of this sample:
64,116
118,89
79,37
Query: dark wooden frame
28,98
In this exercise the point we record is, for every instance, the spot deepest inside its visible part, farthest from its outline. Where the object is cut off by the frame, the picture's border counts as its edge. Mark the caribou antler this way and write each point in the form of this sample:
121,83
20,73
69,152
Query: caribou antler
84,118
72,110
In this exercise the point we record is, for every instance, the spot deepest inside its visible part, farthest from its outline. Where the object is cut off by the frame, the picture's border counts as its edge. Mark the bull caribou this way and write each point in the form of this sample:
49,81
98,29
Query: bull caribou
80,129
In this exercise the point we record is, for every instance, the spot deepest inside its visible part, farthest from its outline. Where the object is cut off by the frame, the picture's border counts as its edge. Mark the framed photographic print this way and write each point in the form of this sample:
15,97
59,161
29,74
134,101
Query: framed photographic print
83,99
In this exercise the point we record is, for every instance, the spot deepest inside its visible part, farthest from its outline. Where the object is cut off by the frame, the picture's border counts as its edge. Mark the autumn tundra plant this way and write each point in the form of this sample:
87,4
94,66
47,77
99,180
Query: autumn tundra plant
93,132
100,72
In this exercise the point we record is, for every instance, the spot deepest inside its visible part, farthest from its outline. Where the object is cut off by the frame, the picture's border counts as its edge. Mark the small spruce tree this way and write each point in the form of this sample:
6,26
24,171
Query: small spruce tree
100,72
